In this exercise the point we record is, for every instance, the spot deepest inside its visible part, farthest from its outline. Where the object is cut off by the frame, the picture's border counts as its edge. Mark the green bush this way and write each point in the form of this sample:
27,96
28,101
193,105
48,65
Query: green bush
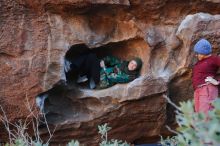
103,130
196,129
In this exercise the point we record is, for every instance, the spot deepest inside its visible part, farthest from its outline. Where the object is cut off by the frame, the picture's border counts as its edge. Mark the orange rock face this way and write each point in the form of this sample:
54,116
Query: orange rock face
35,36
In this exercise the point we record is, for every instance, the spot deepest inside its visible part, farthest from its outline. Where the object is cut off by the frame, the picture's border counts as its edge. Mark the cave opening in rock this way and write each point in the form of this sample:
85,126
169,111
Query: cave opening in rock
117,49
67,102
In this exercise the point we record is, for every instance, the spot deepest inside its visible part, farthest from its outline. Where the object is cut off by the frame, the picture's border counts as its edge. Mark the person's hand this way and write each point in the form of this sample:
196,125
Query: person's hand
212,80
102,64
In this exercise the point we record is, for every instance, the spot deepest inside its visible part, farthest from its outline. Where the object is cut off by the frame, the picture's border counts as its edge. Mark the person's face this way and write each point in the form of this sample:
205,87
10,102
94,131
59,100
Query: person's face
132,65
200,56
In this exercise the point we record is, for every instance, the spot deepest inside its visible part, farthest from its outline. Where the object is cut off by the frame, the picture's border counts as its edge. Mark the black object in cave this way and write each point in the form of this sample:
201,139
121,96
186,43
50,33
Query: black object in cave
81,61
74,52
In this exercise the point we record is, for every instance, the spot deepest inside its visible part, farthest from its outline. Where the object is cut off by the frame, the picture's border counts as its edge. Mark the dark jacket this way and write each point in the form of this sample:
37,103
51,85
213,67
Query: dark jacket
113,73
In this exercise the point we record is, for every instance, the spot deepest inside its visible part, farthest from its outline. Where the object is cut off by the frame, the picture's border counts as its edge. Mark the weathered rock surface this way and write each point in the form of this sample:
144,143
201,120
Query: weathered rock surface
35,36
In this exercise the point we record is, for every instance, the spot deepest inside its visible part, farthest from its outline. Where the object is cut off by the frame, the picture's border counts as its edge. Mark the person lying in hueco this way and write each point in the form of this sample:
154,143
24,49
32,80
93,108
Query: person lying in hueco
106,72
116,71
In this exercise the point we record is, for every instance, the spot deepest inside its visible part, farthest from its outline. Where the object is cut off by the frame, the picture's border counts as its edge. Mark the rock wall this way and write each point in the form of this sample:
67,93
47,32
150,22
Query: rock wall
35,36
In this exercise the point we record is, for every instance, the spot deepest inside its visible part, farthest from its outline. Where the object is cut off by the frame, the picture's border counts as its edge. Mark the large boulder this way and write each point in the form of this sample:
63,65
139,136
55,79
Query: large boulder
36,35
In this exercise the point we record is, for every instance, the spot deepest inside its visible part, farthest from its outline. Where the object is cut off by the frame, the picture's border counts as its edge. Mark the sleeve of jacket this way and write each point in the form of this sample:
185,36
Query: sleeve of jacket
111,60
119,78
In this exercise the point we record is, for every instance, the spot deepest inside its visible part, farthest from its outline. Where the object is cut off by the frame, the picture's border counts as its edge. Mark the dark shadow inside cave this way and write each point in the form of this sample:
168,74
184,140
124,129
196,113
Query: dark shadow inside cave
74,52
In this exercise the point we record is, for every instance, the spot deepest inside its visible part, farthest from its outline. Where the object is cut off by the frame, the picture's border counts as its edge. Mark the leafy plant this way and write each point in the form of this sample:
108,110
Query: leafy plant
73,143
19,142
39,144
173,141
196,129
103,130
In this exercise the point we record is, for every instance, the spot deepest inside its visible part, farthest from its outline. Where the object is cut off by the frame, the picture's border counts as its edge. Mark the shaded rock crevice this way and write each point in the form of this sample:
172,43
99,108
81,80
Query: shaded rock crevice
124,113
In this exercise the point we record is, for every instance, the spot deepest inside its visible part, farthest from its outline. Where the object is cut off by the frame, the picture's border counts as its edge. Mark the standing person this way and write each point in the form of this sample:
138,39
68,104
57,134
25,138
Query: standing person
204,72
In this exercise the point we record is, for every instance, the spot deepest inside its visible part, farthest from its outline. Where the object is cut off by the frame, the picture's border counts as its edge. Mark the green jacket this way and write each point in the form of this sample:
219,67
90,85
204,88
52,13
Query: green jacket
112,74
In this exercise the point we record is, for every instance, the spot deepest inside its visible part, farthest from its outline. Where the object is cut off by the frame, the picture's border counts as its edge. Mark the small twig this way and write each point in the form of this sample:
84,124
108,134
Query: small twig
51,135
36,130
29,108
6,124
171,130
35,127
169,101
47,124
